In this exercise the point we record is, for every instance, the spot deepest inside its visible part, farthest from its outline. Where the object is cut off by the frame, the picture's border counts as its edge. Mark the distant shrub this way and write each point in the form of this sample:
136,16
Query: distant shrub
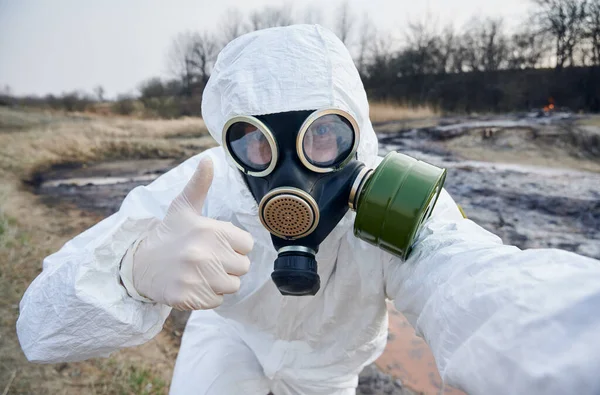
124,105
70,101
6,100
75,101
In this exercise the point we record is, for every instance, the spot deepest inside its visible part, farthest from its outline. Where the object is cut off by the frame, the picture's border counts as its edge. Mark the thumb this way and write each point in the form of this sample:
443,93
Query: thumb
197,187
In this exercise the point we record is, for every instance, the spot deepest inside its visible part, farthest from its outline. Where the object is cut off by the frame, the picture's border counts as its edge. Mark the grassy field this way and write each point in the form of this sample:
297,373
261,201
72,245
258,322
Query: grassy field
380,112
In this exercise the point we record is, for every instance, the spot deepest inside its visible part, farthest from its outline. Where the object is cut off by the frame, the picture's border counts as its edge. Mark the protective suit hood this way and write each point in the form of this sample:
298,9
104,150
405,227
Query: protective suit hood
283,70
293,68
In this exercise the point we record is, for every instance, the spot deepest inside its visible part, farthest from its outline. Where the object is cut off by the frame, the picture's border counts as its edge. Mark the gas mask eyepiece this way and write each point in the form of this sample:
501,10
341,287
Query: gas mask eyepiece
301,168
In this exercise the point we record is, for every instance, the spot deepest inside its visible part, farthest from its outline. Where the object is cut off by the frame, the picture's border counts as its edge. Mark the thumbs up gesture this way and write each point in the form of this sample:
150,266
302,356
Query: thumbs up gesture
189,261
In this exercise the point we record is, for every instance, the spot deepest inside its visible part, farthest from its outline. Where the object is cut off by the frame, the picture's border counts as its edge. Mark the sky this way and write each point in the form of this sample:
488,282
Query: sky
64,45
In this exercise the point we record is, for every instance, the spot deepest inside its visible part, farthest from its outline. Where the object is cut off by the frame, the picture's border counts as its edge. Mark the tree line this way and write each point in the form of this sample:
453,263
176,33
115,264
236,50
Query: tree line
479,66
443,66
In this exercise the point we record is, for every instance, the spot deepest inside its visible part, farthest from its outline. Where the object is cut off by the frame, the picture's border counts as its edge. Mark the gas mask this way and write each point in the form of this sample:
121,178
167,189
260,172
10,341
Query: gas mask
302,169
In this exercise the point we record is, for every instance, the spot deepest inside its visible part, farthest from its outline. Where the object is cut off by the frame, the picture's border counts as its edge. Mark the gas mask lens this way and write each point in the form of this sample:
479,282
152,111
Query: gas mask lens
327,140
251,145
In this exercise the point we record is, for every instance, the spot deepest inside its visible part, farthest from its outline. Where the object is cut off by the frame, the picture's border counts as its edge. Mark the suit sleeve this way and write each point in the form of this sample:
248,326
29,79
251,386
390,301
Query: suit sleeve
499,319
77,307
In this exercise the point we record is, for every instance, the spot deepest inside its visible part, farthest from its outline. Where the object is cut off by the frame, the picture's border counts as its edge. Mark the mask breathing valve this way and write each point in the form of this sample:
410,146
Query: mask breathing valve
295,271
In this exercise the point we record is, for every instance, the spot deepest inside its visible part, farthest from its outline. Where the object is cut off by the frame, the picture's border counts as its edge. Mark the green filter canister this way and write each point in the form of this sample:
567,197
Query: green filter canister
395,200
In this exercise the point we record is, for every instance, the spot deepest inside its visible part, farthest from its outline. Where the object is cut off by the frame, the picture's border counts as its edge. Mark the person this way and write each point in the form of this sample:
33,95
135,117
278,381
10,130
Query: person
497,318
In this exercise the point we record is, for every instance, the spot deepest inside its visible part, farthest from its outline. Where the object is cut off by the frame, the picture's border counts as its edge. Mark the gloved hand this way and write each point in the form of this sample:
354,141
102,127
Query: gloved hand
189,261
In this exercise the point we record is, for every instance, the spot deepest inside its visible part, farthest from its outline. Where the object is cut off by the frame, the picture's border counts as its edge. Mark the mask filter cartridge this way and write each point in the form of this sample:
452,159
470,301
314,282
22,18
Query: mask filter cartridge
393,201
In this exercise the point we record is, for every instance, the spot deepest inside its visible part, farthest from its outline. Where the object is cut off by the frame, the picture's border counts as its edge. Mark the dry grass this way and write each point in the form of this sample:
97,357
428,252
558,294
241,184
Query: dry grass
30,142
380,112
29,231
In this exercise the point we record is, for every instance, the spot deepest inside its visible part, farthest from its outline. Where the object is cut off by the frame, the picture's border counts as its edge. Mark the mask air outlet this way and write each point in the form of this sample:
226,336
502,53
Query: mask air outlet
289,213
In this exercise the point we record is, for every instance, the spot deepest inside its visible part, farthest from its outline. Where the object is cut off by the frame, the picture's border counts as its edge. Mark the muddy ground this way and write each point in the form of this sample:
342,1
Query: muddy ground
534,181
547,196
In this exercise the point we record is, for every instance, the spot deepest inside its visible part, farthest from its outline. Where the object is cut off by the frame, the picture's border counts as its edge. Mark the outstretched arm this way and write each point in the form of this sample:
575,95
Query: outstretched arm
77,308
499,319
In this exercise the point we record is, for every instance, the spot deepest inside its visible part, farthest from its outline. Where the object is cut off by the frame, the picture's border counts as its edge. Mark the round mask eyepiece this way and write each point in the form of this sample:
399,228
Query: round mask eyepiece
328,139
251,145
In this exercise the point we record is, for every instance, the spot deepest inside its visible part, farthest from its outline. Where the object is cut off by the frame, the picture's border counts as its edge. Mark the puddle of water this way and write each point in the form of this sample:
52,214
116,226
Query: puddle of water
83,181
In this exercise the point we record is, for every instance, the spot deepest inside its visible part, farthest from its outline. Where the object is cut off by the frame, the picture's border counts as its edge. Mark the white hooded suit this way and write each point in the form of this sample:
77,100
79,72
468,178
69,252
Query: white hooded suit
498,320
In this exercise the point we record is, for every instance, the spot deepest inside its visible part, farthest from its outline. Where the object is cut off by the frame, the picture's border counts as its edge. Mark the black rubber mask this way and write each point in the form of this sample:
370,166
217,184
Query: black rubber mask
301,184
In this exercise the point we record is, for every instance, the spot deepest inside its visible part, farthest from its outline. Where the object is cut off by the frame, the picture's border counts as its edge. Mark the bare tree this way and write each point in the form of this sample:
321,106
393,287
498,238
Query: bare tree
484,44
447,48
382,56
421,52
592,30
564,20
191,58
527,49
271,16
232,25
383,45
366,43
345,22
461,53
180,60
427,51
311,14
99,92
204,52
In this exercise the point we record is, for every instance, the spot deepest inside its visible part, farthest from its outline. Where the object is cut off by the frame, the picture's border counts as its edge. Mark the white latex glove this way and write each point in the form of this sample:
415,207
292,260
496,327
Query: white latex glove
189,261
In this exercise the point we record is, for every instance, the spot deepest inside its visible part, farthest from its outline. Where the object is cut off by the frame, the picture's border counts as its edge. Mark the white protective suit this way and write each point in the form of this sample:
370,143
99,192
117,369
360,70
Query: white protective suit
498,319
